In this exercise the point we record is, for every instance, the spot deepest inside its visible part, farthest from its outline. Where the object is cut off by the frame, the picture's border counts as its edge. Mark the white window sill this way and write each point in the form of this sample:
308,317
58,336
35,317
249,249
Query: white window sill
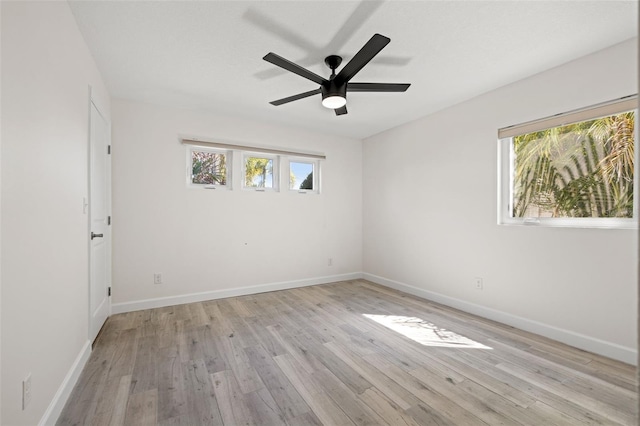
596,223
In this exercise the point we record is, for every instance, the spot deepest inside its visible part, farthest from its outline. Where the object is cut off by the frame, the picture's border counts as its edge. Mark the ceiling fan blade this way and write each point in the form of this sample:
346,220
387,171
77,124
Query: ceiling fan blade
296,97
362,58
341,110
377,87
294,68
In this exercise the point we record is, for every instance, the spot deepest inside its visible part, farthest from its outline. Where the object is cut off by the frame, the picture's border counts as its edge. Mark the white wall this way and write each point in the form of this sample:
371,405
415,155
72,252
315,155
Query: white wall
430,221
222,242
46,73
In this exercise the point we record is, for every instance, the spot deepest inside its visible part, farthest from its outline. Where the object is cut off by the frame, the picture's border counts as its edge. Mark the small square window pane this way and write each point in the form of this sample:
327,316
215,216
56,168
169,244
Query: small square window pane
258,172
300,175
208,168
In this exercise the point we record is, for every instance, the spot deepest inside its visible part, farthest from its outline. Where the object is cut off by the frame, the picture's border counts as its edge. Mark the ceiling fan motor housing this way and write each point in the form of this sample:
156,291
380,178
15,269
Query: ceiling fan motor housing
331,88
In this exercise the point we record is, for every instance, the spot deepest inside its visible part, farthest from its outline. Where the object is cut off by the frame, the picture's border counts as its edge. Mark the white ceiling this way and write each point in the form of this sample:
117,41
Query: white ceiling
208,54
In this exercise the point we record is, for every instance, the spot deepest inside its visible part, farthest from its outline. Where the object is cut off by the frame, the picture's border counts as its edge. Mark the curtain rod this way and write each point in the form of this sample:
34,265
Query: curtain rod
603,109
195,142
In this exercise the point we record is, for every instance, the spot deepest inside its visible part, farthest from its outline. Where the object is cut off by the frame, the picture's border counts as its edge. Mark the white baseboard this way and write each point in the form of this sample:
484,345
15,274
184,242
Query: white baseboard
598,346
137,305
581,341
50,416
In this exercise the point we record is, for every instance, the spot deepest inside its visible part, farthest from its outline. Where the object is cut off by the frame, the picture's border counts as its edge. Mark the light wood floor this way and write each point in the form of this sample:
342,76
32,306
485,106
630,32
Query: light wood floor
319,355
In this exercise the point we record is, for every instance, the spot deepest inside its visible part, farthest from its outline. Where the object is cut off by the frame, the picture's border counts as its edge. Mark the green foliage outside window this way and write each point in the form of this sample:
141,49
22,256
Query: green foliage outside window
579,170
208,168
258,172
307,183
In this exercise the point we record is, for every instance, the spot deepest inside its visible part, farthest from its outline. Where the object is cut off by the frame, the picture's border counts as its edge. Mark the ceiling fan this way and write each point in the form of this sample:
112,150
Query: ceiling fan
334,90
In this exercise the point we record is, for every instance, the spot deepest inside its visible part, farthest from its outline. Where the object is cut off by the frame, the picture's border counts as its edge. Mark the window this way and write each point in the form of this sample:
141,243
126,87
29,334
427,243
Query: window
260,172
576,169
208,168
302,176
211,165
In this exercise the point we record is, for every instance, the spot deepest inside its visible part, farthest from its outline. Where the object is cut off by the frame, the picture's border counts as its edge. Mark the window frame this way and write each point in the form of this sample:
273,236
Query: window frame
275,173
506,175
228,165
237,153
315,164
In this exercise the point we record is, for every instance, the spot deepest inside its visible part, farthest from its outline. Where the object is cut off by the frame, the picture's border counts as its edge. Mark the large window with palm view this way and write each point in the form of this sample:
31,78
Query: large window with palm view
574,169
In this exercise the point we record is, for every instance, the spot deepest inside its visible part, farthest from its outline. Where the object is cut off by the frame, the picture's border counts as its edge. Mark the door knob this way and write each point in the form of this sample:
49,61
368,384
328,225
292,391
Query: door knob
96,235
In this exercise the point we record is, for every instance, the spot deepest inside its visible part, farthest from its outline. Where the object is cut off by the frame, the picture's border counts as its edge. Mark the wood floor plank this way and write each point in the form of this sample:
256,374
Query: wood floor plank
145,370
240,307
495,381
622,378
312,392
197,314
384,407
617,397
347,375
345,398
378,344
234,409
236,358
240,331
294,348
176,421
220,325
345,353
172,397
426,415
263,408
201,399
285,395
112,404
557,388
125,355
183,328
484,404
247,305
446,408
554,416
142,408
521,388
394,392
214,357
530,415
170,334
306,419
120,404
266,339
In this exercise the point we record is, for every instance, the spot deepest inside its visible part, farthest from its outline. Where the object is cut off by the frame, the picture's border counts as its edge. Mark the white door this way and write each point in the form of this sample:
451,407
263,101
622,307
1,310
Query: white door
99,222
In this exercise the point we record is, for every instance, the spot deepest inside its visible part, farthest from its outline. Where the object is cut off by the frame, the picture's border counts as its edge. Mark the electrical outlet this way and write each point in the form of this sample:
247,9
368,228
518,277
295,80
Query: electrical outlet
26,391
479,284
157,278
330,262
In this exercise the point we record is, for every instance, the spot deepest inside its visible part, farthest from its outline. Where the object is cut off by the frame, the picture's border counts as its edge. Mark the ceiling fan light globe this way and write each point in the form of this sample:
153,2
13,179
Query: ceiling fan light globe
334,102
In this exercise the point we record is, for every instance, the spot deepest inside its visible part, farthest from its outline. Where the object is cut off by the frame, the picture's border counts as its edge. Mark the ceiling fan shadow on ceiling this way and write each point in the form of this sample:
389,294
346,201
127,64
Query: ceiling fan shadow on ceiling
334,90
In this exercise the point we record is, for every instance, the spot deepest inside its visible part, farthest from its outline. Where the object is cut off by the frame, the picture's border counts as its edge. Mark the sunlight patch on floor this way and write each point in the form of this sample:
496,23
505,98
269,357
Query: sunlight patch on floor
424,332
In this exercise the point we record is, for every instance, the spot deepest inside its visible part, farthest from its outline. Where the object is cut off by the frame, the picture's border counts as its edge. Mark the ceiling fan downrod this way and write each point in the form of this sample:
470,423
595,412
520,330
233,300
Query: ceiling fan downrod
333,62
